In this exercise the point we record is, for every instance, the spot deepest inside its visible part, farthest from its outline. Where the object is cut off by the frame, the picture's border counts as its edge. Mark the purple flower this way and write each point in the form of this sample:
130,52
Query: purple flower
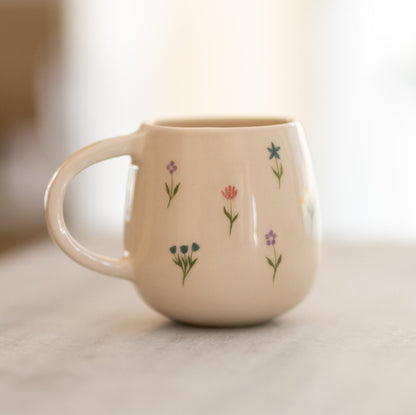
270,238
171,167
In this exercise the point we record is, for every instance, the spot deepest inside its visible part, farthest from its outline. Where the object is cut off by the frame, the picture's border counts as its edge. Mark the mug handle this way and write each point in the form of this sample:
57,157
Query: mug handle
54,199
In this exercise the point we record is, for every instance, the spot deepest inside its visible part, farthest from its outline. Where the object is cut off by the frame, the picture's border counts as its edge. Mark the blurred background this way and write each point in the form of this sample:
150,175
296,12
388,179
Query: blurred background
75,71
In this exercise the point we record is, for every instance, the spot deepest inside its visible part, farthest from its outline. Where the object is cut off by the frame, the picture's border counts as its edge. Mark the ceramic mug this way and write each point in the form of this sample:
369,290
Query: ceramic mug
222,225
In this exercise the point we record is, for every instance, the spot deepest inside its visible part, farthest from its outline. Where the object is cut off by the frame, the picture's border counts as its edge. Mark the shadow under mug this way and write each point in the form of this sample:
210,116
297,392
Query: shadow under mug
222,226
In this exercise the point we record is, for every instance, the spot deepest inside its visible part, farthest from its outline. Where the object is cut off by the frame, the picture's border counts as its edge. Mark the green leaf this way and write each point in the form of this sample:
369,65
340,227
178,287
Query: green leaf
270,261
234,218
167,189
227,214
185,261
279,260
176,189
275,172
182,265
281,169
192,263
176,260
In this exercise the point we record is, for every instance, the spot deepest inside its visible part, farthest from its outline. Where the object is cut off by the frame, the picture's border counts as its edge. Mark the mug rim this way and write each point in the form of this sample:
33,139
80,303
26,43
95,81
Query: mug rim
199,123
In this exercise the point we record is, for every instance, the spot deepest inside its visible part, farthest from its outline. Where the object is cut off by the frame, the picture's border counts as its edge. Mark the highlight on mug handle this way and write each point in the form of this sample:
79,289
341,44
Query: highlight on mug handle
54,200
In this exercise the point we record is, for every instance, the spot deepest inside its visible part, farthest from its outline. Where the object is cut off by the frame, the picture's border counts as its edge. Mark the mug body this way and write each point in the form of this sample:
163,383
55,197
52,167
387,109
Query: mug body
222,219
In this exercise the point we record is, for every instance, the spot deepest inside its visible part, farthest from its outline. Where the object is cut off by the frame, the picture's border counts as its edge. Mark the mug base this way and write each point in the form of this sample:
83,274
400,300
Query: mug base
223,324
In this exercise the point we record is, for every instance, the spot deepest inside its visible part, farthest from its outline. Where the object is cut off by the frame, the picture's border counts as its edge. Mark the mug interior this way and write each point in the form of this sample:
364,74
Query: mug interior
221,122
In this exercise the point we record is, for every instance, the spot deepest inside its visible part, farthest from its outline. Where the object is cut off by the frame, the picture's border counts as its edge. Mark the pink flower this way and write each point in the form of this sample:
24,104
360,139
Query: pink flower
230,192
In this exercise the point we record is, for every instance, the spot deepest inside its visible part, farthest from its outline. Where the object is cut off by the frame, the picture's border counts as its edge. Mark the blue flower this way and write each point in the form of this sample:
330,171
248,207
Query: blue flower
195,247
184,249
274,151
172,249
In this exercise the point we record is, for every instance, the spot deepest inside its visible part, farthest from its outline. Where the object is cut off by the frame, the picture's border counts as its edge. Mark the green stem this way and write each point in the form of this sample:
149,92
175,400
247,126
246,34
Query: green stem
278,172
184,271
275,263
189,263
231,216
311,211
171,189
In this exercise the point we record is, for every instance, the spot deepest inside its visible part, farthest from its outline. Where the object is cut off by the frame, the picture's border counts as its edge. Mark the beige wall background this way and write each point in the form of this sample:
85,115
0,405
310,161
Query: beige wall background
134,60
345,68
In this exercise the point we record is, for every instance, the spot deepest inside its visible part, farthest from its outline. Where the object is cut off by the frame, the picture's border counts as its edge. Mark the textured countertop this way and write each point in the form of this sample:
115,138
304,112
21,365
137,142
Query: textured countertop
73,341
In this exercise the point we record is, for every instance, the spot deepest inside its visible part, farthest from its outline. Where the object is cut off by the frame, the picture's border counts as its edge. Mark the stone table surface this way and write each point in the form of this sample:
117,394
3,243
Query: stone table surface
73,341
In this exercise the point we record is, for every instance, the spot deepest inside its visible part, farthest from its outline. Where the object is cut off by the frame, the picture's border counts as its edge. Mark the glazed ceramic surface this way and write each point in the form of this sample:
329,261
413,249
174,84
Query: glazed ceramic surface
222,223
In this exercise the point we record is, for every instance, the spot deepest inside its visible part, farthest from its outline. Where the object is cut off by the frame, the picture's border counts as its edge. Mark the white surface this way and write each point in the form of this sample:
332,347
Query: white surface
365,97
72,341
344,68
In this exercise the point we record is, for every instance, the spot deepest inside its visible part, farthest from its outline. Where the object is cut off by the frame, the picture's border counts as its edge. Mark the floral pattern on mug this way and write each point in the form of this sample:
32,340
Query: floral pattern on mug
171,190
308,201
183,258
274,154
230,193
271,241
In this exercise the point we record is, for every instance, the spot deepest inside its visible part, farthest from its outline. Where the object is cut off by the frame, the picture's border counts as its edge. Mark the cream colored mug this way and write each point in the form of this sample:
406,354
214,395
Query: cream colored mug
222,226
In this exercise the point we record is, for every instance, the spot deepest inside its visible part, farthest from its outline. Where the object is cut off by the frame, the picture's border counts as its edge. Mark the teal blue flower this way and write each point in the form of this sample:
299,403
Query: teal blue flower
195,247
184,249
172,249
274,151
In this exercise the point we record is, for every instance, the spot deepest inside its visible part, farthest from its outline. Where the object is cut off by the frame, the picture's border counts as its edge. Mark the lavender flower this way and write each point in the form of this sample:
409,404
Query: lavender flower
171,167
271,238
275,262
171,189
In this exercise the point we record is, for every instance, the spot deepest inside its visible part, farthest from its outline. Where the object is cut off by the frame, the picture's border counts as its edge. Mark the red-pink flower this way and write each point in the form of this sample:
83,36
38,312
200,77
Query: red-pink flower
230,192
